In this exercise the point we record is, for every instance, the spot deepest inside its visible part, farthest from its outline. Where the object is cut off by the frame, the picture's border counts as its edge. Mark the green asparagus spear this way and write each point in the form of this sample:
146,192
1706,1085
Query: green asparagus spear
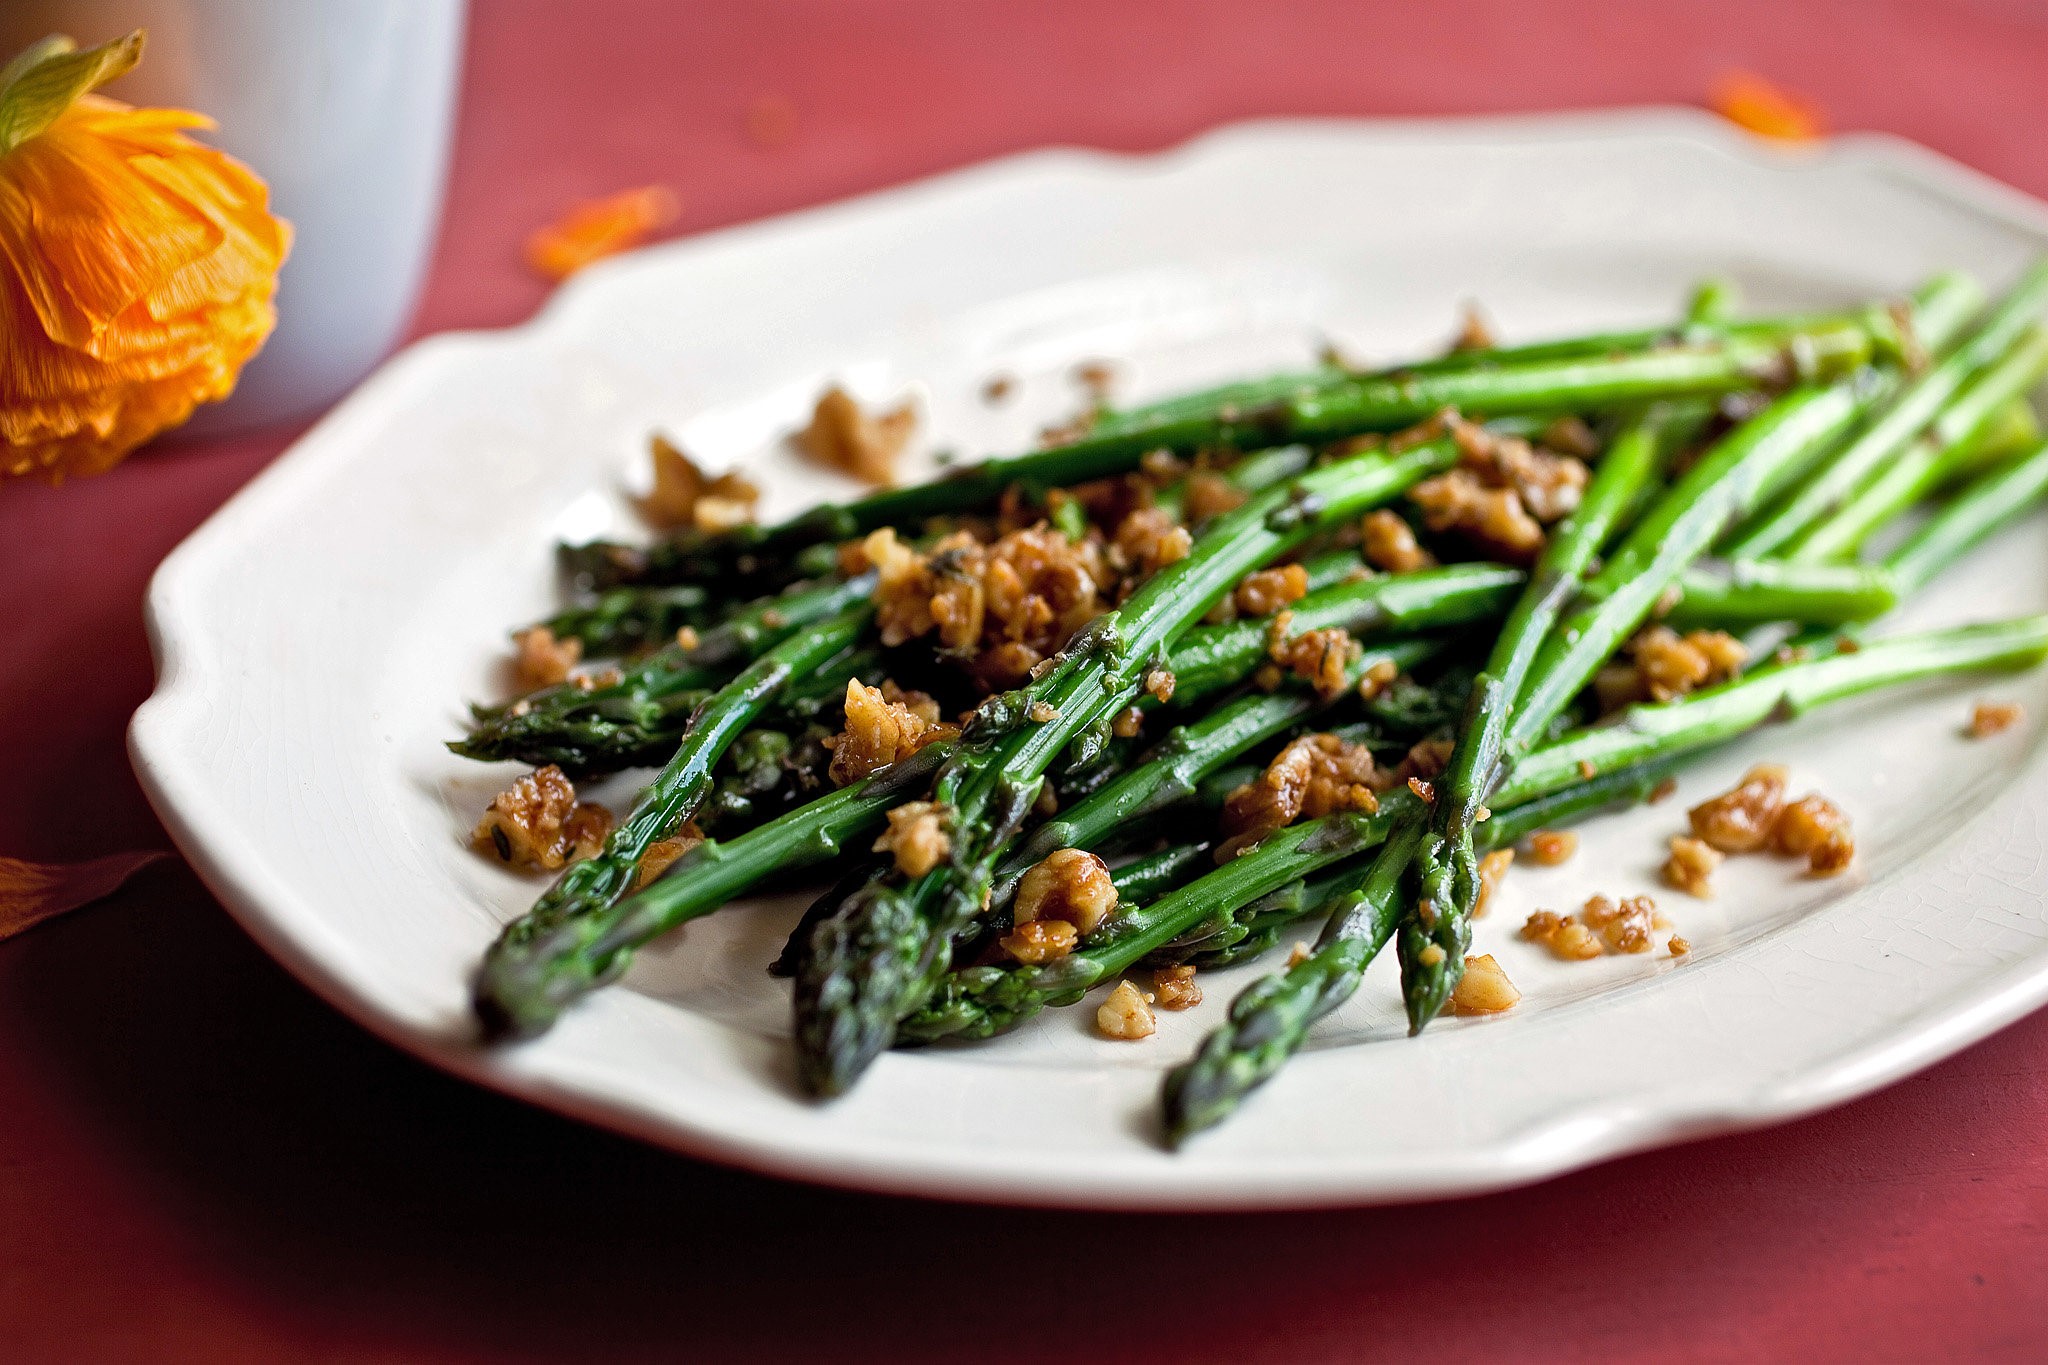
872,963
594,884
1269,1020
1904,419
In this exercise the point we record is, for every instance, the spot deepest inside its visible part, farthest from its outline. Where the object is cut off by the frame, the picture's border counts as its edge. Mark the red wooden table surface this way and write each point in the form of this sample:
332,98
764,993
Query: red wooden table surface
198,1160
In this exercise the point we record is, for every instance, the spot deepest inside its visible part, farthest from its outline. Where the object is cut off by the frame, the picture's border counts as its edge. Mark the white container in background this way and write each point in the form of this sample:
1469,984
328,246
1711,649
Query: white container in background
346,107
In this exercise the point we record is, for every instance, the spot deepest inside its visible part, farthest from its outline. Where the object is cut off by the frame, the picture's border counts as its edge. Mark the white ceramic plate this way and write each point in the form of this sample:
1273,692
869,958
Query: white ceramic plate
317,638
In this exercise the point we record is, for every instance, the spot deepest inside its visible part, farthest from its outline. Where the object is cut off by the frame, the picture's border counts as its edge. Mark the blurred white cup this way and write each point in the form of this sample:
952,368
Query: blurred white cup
346,107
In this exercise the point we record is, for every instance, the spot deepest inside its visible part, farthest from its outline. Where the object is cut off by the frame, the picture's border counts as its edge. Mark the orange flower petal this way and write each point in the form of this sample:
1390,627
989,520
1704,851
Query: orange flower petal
33,892
137,273
1752,102
597,228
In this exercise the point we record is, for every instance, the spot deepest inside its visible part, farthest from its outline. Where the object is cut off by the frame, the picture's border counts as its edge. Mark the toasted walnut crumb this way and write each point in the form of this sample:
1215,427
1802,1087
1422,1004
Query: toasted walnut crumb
1663,791
1389,543
1503,492
843,436
1473,332
1320,658
1159,683
1425,792
662,853
1041,941
1176,988
1096,378
1814,828
1587,770
1988,718
882,728
998,387
1571,436
1378,677
683,496
1001,607
1432,955
1623,927
687,637
1210,495
916,837
1268,590
1299,953
1048,803
1069,884
1426,759
1041,712
537,822
1495,517
1690,868
1549,847
1664,665
1127,723
543,660
1147,540
1484,988
1740,820
1492,868
1563,935
1678,947
1125,1014
1314,775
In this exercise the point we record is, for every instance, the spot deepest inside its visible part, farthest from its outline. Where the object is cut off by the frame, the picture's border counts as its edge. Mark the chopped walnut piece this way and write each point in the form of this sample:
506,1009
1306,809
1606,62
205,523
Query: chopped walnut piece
1484,988
1389,543
1210,495
1315,775
1268,590
1571,436
1814,828
916,837
1690,868
1663,791
998,387
1159,683
1125,1014
1147,540
1492,868
683,496
1426,759
1740,820
687,637
1678,947
1069,884
1665,665
1624,927
1473,332
1425,792
1041,941
543,660
537,822
1002,607
1495,517
843,436
1320,658
1041,712
1988,718
1127,723
1377,679
1096,378
1299,953
1549,847
1175,987
1563,935
882,728
661,854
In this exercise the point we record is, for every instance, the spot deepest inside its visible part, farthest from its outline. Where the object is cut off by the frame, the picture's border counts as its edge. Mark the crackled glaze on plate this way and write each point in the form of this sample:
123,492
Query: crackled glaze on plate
317,638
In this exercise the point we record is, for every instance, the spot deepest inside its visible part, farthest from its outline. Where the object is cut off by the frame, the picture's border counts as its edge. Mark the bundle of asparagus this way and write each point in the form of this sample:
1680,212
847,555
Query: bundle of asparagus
1428,582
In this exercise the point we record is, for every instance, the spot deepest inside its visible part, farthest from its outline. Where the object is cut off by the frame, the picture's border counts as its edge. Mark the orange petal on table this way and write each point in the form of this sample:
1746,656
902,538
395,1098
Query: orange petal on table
1750,101
597,228
33,892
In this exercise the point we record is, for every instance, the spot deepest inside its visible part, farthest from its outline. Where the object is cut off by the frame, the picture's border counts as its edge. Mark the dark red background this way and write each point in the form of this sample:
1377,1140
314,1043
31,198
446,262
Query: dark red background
200,1161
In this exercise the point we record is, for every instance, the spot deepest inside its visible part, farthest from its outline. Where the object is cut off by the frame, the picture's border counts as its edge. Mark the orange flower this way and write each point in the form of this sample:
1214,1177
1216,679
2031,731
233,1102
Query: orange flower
597,228
137,266
1754,103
